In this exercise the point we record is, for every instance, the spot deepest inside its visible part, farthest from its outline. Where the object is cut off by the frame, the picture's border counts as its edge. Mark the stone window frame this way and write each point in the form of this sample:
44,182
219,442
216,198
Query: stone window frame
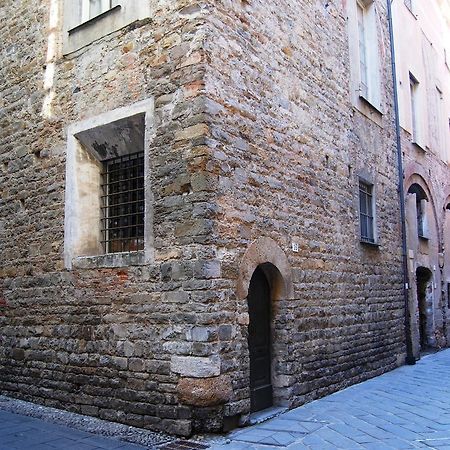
83,192
365,178
79,29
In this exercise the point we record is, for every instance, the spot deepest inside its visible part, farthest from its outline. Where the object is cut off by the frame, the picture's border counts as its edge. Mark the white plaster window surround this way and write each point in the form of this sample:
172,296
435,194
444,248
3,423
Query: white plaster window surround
86,21
364,48
89,142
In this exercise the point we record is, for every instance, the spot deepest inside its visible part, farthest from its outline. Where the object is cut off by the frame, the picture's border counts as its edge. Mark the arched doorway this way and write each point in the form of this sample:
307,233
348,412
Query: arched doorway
260,341
425,307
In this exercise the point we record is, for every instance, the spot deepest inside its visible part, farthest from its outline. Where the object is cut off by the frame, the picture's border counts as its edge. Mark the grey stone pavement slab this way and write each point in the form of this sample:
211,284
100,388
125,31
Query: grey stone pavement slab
407,408
20,432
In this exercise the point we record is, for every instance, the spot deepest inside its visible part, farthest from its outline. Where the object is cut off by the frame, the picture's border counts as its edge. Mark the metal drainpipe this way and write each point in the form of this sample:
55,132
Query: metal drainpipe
408,338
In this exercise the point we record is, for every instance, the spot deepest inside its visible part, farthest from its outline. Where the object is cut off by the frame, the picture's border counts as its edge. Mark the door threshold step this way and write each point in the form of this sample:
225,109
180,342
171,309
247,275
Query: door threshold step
265,414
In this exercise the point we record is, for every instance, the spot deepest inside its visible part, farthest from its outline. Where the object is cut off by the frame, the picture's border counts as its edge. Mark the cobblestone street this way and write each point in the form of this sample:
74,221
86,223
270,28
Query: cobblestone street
404,409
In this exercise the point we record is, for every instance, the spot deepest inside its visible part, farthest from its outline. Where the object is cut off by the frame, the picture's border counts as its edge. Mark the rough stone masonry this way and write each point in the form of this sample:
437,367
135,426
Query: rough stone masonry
255,146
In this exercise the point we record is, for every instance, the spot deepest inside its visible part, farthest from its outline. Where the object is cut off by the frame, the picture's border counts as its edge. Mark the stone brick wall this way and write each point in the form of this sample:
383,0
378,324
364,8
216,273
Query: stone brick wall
100,341
288,147
426,163
427,169
255,138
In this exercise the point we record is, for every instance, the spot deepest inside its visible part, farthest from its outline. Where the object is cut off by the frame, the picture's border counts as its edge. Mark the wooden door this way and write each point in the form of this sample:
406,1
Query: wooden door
259,342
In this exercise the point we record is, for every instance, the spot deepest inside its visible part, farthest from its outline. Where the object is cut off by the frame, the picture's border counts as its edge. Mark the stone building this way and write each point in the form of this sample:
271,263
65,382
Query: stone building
422,48
199,211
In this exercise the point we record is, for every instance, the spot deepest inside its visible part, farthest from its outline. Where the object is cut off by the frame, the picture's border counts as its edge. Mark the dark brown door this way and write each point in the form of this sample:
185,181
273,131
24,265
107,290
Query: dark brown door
259,342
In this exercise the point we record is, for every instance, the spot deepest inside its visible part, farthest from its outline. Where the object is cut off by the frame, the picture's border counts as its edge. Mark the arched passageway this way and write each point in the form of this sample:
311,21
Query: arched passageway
425,307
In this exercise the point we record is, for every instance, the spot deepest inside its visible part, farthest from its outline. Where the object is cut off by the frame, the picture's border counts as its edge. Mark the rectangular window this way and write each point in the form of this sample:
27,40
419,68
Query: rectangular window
422,224
93,8
108,206
414,95
368,52
440,122
123,203
366,215
364,91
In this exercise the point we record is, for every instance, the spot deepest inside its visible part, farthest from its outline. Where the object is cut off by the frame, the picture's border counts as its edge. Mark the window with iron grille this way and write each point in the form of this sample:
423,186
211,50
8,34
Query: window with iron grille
123,203
366,216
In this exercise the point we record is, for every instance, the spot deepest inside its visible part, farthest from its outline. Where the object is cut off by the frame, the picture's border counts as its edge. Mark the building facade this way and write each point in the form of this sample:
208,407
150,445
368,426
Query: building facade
199,212
421,39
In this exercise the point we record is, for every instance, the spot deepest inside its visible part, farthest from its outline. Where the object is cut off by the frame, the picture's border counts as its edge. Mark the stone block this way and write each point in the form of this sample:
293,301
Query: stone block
18,353
207,269
195,366
225,332
204,391
192,132
136,364
178,427
200,334
175,297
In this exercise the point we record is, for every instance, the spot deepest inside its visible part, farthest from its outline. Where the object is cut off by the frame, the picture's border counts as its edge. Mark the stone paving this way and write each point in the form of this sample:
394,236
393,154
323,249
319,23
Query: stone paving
19,432
407,408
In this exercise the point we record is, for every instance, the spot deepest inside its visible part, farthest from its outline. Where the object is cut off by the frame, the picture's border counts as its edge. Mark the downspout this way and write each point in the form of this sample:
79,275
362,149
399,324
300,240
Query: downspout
408,337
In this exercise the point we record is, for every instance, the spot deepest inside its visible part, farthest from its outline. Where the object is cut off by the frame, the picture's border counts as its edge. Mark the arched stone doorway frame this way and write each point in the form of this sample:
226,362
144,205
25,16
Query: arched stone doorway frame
261,252
266,254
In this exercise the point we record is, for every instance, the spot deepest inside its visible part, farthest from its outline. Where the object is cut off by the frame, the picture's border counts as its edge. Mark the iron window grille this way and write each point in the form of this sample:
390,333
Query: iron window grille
122,222
366,212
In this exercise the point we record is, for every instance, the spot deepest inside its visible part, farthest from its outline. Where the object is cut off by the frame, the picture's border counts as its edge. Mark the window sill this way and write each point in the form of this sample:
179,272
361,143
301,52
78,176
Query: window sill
109,260
366,101
369,244
423,238
94,20
367,109
419,146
